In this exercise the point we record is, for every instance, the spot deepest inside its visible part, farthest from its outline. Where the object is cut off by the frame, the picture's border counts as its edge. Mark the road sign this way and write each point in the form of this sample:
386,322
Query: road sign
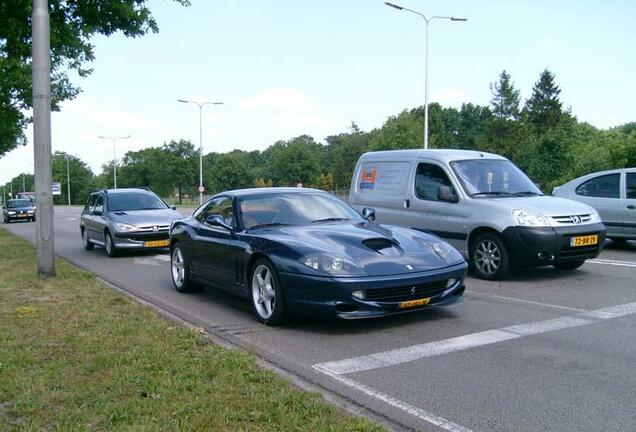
56,188
201,189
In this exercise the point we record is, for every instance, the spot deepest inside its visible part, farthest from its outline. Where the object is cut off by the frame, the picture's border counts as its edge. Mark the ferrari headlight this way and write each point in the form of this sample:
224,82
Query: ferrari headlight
446,252
124,227
331,264
530,218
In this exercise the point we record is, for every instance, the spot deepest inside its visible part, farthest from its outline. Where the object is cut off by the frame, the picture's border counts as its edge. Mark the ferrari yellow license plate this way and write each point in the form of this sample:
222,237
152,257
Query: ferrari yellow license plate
413,303
584,241
157,243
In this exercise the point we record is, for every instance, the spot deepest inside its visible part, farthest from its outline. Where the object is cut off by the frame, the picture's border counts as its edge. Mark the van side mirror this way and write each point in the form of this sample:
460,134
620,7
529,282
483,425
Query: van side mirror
218,221
447,194
173,207
368,213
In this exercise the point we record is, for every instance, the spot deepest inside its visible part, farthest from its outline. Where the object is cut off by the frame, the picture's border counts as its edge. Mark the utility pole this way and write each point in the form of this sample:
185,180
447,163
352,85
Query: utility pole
23,184
114,140
42,138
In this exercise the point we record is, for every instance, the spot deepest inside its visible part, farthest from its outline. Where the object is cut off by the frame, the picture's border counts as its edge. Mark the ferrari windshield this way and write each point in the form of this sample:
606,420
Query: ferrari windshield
19,203
493,178
294,209
129,201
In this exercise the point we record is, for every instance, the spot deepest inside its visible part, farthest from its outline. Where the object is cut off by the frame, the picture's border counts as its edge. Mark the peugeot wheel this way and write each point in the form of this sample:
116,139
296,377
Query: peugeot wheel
266,294
489,257
109,245
180,271
87,243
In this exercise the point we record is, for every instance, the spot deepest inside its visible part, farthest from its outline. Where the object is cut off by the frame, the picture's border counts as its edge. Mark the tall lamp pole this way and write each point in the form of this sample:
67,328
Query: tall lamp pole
68,181
114,140
200,105
427,20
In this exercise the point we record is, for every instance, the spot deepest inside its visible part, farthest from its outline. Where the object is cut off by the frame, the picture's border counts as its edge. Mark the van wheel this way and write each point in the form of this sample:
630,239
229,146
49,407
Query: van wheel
489,257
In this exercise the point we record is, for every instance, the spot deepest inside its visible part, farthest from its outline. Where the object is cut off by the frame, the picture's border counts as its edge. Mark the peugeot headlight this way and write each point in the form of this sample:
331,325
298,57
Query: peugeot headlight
530,218
446,252
124,227
11,212
331,264
30,211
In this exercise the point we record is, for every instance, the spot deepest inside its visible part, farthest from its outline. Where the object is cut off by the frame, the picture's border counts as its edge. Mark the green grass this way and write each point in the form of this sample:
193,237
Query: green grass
76,356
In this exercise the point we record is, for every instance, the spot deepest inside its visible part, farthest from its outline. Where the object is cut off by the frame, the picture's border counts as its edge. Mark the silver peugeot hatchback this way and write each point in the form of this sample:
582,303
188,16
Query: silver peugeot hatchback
119,219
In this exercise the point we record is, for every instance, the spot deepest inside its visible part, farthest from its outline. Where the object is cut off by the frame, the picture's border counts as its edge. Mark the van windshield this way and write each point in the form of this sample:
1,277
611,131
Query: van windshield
493,178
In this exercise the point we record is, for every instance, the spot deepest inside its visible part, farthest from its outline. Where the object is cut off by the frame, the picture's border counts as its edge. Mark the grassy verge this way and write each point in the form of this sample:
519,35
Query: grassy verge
76,356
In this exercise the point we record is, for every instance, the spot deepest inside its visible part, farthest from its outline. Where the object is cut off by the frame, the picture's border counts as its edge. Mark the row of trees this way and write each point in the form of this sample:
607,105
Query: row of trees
540,135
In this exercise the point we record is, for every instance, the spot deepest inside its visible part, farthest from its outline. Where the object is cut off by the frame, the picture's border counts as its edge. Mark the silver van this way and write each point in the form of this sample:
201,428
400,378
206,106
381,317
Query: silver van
482,204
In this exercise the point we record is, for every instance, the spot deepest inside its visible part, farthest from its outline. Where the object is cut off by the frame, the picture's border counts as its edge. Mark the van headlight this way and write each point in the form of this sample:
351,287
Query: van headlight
332,264
530,218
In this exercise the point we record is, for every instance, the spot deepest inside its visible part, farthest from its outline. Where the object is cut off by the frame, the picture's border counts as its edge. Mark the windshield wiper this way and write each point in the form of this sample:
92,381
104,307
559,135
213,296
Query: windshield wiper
498,193
332,219
526,193
265,225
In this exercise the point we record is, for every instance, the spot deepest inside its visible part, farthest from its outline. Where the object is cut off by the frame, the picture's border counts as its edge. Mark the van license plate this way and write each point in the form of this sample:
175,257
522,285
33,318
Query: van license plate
413,303
157,243
583,241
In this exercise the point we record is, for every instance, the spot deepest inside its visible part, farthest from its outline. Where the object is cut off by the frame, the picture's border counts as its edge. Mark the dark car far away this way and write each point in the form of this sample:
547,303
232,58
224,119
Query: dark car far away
305,252
124,219
18,209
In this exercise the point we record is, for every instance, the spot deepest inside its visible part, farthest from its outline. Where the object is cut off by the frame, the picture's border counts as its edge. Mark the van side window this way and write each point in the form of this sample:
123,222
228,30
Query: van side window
428,179
631,185
605,186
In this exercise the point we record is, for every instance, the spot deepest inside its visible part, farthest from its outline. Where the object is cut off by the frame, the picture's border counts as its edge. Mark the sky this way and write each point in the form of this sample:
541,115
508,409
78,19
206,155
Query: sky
285,68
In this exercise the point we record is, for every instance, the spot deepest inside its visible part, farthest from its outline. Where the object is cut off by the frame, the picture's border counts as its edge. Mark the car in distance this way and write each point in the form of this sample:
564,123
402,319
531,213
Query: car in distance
125,219
482,204
305,252
18,209
613,194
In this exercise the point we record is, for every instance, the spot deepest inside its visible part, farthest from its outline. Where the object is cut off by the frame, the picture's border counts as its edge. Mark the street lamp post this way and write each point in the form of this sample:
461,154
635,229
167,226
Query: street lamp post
200,105
68,181
114,140
427,20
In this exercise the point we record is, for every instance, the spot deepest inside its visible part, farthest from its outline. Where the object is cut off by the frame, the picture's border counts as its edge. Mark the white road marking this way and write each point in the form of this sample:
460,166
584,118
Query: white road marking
336,369
474,340
406,407
147,261
612,262
532,302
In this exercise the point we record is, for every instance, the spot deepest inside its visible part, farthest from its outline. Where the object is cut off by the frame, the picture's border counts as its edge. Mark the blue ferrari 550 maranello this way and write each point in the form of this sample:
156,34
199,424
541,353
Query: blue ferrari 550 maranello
305,252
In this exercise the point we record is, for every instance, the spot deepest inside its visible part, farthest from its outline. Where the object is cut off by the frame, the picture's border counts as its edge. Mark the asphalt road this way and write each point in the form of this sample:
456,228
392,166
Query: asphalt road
544,351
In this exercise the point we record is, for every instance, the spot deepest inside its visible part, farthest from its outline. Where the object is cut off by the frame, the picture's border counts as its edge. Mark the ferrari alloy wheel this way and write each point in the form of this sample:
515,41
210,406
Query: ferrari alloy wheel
266,294
180,271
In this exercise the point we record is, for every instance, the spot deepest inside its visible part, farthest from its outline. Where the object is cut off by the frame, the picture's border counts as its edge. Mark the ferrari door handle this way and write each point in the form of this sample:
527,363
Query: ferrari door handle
631,207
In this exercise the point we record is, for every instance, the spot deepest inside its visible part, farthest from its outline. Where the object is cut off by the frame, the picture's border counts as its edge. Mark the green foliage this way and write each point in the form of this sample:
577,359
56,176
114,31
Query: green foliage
544,110
73,24
505,98
80,175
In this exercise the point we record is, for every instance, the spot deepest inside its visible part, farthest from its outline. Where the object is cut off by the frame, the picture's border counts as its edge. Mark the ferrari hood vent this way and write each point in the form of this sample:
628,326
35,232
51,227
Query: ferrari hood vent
384,246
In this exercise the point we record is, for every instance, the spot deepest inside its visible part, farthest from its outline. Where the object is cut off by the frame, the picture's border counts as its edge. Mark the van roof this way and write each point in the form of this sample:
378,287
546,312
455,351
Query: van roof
441,155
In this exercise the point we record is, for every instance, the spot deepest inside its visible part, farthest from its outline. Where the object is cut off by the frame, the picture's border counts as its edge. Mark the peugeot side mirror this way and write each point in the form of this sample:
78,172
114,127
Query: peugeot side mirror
447,194
217,220
98,212
368,213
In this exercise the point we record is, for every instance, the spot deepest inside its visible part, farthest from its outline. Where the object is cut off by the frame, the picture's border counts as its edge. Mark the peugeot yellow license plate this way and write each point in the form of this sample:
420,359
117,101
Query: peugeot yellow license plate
413,303
589,240
157,243
22,215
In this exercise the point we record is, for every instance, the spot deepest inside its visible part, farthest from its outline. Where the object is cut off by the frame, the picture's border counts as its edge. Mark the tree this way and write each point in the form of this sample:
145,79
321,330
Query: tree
230,171
80,175
544,110
505,98
73,24
299,159
181,165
